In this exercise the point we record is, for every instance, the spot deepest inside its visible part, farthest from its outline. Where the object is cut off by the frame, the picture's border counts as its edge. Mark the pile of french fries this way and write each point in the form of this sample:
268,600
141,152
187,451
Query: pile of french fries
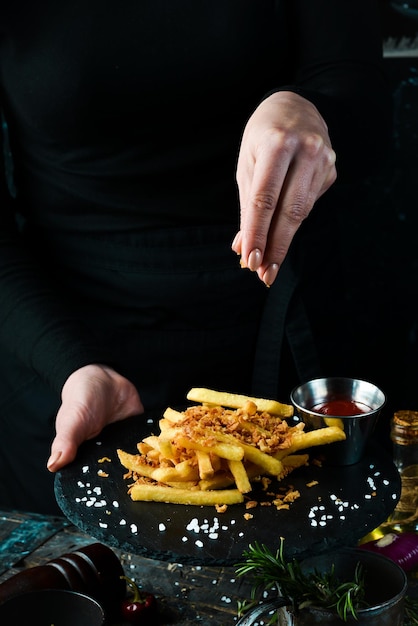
212,452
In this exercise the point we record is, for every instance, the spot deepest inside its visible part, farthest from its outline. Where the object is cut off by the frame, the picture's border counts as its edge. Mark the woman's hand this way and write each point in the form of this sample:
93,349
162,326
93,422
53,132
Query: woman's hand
92,397
286,163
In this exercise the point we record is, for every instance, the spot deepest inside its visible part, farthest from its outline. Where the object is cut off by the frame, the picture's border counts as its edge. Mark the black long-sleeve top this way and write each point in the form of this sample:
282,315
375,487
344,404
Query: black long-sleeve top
126,117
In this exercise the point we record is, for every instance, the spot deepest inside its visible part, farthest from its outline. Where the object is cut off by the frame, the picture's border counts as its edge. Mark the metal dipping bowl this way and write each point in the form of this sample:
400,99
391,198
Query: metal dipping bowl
357,428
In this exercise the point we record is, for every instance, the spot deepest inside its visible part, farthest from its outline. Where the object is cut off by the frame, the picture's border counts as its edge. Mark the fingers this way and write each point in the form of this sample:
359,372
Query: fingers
304,183
73,425
271,218
286,163
92,397
72,430
261,184
63,451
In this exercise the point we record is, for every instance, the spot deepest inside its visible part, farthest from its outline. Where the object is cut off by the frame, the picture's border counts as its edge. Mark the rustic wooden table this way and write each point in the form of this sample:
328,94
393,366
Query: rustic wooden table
187,594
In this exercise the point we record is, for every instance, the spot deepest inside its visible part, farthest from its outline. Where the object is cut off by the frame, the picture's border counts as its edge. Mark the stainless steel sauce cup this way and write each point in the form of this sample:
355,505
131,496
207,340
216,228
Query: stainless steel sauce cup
306,399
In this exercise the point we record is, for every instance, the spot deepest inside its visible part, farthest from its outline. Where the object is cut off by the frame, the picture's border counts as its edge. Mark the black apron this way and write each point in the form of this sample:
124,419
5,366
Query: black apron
176,311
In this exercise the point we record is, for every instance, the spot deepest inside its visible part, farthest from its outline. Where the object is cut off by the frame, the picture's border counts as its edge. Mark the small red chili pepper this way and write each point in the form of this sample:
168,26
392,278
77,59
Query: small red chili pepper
141,607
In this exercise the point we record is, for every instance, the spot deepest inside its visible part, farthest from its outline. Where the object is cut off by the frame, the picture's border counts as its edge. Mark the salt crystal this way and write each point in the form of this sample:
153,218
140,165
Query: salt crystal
193,525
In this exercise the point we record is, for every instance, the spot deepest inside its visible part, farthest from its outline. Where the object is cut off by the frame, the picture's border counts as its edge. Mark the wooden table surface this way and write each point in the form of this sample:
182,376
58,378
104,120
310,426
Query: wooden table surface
187,594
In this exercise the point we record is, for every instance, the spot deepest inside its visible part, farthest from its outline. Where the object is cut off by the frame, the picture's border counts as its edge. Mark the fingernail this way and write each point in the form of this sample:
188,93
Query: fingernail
270,274
53,459
235,242
254,259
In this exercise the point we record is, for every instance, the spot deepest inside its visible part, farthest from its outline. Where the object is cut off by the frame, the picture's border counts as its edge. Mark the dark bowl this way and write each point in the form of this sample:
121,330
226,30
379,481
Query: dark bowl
45,607
385,585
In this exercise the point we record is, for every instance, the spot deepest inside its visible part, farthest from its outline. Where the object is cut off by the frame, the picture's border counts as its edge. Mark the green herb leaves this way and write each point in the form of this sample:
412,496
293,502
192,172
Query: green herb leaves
303,589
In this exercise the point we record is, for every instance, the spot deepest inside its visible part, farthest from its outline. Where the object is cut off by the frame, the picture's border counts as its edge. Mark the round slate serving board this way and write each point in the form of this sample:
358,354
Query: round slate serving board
345,504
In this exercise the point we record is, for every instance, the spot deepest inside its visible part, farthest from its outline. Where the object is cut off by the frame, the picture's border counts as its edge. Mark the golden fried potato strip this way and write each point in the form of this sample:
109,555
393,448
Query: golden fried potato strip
236,401
210,454
158,493
312,438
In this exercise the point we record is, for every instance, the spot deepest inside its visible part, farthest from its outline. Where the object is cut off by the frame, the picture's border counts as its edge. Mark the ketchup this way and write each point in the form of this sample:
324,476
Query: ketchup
341,408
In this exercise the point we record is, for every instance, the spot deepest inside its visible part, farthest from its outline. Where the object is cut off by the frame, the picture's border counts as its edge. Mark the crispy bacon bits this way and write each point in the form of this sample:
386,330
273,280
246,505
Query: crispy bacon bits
268,432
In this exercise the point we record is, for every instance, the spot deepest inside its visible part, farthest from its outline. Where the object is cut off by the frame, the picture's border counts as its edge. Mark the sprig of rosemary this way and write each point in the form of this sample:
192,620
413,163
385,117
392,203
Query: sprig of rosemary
411,611
322,590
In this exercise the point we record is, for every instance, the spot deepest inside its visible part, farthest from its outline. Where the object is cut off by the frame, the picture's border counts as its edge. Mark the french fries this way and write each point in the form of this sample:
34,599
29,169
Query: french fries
211,453
185,496
236,401
318,437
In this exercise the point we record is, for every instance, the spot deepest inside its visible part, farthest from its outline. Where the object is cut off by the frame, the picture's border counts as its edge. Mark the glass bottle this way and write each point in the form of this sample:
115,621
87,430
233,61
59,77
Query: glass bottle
402,525
404,436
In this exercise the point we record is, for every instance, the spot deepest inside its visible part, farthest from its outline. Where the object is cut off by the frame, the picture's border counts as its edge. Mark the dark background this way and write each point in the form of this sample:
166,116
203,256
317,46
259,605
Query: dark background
379,234
379,241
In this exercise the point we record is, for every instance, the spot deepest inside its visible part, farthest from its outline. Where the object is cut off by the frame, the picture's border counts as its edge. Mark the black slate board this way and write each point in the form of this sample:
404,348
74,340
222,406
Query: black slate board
346,504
